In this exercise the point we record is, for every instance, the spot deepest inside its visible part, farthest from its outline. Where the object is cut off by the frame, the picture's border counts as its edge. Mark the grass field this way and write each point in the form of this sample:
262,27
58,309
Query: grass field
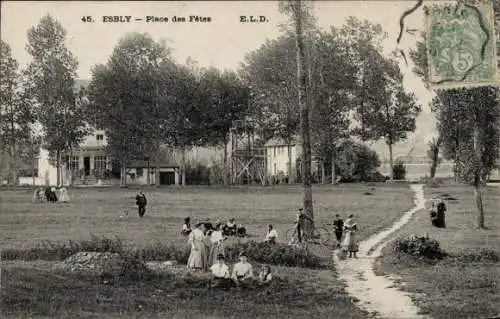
32,289
97,211
452,288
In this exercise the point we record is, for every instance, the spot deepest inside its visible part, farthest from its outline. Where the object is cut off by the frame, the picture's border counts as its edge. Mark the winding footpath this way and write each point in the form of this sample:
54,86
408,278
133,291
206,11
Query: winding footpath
378,294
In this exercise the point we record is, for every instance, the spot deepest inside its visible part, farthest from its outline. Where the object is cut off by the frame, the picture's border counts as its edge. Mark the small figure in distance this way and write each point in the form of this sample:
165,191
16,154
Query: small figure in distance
141,202
265,275
272,235
186,227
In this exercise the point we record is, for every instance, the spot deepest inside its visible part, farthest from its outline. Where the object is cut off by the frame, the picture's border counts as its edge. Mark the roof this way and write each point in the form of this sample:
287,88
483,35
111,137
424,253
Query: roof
144,164
281,142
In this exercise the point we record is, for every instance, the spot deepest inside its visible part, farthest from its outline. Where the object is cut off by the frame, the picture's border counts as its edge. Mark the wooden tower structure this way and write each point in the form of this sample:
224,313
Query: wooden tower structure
248,162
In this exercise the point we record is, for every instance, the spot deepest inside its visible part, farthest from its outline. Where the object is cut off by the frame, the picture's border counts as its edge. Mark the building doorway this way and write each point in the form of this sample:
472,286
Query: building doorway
167,178
86,166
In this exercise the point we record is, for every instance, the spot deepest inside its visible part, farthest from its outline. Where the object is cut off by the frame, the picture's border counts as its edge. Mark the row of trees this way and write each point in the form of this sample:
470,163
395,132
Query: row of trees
150,105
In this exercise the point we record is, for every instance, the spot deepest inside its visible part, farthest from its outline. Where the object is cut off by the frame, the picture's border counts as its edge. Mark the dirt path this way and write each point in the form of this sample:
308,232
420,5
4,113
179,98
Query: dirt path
378,293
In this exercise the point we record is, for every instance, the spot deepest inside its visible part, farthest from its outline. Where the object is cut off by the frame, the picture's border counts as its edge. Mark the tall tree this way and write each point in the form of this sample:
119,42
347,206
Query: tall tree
299,11
52,74
393,115
13,112
132,99
270,71
433,155
226,100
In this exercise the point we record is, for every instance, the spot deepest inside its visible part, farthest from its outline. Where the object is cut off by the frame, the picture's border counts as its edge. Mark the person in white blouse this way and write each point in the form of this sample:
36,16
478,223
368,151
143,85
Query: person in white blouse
272,235
220,273
198,256
242,272
217,245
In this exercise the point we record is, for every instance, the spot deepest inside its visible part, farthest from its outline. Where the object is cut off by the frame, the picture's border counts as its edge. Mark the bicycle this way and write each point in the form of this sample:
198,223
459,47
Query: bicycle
321,236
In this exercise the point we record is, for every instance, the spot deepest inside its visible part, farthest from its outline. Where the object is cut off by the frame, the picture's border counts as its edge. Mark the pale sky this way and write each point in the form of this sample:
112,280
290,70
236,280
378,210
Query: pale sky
221,43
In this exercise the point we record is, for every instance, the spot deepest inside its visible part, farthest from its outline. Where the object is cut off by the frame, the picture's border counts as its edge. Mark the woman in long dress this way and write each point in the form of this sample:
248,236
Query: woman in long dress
350,242
198,257
63,195
217,245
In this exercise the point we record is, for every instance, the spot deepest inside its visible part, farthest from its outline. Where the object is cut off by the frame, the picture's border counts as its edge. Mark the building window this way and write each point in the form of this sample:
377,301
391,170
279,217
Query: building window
74,163
99,137
100,163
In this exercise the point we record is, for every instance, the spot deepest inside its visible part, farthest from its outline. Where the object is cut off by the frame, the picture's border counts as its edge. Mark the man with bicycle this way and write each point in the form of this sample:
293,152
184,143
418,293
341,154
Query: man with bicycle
299,221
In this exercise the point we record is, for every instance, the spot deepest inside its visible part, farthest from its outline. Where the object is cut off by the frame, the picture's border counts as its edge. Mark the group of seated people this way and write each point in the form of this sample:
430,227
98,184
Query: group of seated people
49,194
228,229
242,275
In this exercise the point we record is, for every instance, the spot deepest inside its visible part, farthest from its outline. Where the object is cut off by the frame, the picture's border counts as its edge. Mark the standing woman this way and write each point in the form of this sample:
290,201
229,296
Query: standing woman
198,257
350,243
217,245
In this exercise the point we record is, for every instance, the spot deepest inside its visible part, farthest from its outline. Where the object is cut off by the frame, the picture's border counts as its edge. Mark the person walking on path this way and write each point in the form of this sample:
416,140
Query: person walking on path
141,202
350,243
338,225
198,256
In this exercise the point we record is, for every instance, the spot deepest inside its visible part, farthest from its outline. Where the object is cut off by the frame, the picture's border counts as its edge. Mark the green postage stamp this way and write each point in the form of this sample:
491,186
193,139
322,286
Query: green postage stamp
461,46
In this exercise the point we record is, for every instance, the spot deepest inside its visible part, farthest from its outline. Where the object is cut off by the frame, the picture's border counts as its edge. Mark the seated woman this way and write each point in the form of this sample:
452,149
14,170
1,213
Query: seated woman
207,227
230,228
265,275
220,273
186,227
242,272
241,231
272,235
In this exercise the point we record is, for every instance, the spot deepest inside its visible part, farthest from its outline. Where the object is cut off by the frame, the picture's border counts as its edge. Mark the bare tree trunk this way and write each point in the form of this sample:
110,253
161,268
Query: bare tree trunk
304,119
323,177
183,166
290,173
148,177
34,164
477,179
334,169
225,170
58,167
70,162
391,164
123,174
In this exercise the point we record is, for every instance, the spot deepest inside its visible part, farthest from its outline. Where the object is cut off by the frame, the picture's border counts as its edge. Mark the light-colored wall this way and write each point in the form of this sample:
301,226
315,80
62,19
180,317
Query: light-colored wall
143,179
280,159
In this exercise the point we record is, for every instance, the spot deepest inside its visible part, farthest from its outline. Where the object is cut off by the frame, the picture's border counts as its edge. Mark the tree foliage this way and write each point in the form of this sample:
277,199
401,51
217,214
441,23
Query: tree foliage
52,74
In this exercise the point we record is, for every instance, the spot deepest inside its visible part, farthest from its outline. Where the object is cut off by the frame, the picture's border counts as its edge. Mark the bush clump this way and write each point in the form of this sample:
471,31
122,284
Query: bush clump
418,246
49,250
276,254
481,255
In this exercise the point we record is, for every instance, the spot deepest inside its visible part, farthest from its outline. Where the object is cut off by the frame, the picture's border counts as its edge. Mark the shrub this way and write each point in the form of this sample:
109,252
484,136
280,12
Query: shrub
276,254
418,247
161,252
481,255
399,170
49,250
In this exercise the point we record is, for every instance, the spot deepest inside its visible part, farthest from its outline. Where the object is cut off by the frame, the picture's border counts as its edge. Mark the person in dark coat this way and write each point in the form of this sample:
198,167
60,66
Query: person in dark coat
141,202
441,209
338,225
50,194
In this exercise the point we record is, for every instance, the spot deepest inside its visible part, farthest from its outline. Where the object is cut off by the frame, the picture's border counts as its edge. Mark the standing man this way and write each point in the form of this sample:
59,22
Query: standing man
141,202
338,225
301,218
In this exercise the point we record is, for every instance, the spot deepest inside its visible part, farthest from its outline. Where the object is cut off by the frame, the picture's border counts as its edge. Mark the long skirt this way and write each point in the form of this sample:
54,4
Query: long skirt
350,244
215,250
198,256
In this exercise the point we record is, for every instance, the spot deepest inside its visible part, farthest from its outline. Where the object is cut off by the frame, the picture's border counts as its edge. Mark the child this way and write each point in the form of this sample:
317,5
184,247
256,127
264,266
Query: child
338,225
220,273
272,235
141,202
265,275
186,227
